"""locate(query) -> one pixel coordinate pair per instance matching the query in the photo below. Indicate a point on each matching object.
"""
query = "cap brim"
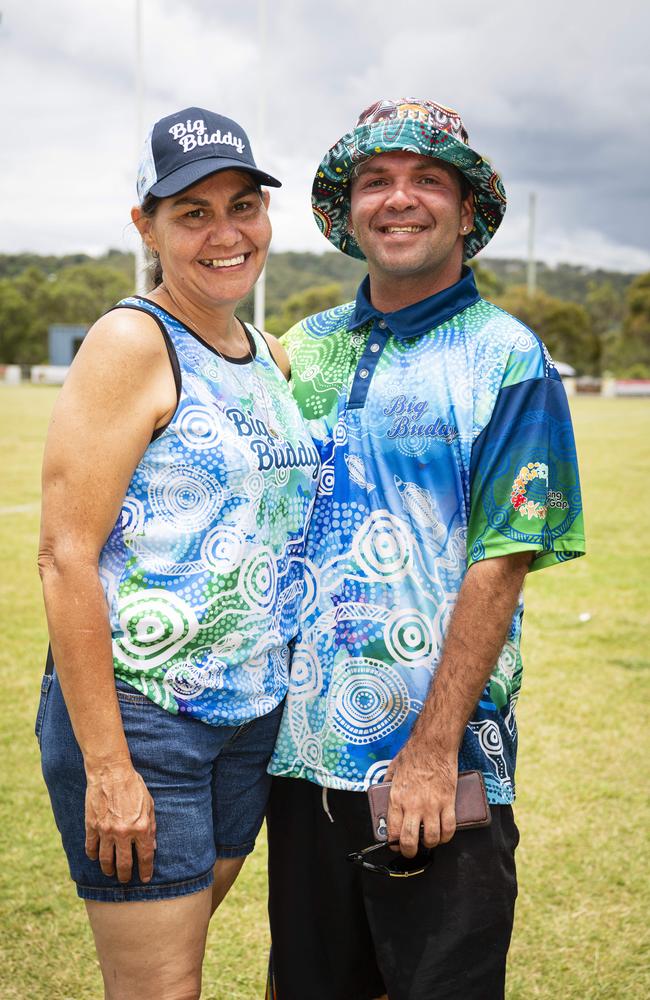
(190, 173)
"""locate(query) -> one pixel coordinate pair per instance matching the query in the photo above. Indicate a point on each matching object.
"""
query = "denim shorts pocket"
(40, 715)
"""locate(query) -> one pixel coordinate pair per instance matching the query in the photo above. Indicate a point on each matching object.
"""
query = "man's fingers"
(447, 824)
(394, 820)
(431, 832)
(409, 837)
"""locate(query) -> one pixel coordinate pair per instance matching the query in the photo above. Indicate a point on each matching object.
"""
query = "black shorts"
(341, 933)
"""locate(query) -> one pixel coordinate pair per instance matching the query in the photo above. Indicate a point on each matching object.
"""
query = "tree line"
(596, 321)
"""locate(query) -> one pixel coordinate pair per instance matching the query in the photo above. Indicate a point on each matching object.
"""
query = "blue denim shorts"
(209, 785)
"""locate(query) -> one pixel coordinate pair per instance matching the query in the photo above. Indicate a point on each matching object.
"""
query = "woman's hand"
(120, 816)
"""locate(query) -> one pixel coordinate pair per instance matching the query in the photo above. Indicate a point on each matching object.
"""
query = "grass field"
(581, 931)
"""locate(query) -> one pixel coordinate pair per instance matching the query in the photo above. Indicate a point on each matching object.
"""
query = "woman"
(178, 481)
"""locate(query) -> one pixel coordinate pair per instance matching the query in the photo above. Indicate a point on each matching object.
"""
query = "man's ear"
(467, 213)
(266, 197)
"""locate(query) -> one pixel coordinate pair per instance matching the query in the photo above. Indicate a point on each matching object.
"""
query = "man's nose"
(401, 196)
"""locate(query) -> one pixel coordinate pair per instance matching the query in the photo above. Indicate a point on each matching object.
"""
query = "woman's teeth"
(229, 262)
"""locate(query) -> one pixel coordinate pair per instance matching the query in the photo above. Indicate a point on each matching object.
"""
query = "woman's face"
(212, 238)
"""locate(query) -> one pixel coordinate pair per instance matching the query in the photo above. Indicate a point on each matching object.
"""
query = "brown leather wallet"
(472, 808)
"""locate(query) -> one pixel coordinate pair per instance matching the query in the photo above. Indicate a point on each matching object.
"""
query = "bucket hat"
(183, 148)
(409, 125)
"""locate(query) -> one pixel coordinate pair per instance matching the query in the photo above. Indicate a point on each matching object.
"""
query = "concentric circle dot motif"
(186, 680)
(311, 751)
(376, 773)
(368, 700)
(258, 579)
(490, 740)
(132, 518)
(186, 495)
(383, 547)
(222, 548)
(306, 675)
(155, 626)
(197, 428)
(409, 637)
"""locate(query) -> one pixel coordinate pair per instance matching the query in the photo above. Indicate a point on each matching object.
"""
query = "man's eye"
(242, 206)
(195, 213)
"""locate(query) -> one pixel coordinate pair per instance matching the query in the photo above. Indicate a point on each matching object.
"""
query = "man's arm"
(424, 773)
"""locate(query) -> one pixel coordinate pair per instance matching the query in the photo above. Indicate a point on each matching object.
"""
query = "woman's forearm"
(81, 644)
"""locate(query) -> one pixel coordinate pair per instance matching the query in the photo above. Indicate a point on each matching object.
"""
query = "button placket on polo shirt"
(368, 363)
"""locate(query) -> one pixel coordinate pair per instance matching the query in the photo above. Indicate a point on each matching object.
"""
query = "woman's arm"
(119, 389)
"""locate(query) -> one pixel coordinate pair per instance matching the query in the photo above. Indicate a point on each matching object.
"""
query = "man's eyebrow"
(192, 199)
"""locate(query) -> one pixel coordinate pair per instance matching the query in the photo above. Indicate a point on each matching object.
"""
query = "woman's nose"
(224, 233)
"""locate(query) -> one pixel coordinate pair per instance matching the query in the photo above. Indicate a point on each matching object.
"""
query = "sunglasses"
(380, 859)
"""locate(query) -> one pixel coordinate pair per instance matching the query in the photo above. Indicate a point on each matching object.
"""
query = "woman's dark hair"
(154, 269)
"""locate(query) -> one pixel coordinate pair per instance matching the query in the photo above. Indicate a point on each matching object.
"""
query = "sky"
(556, 96)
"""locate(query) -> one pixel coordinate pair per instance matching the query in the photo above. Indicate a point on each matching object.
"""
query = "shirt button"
(363, 373)
(381, 324)
(374, 348)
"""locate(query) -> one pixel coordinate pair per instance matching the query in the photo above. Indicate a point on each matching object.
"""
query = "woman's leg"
(152, 950)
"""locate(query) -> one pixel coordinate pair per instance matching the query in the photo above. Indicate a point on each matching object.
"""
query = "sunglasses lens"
(404, 866)
(395, 863)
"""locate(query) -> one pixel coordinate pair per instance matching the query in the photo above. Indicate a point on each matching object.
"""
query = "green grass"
(581, 926)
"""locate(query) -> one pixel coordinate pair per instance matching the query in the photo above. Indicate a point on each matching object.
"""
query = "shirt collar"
(422, 316)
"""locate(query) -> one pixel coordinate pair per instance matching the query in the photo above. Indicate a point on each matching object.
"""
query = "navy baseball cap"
(185, 147)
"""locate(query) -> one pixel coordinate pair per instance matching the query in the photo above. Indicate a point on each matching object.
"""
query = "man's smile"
(401, 229)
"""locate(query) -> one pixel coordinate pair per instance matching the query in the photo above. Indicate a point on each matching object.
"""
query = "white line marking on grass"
(23, 508)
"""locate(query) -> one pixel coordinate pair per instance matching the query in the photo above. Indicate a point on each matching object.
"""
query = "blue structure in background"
(63, 342)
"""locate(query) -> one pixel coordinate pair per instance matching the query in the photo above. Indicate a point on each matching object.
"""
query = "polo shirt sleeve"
(524, 481)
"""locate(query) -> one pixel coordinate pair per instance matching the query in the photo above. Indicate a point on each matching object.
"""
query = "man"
(449, 471)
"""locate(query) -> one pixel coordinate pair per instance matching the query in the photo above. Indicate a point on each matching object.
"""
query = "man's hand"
(422, 802)
(119, 817)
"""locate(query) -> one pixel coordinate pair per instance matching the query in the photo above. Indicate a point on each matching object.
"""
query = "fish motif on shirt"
(419, 503)
(357, 471)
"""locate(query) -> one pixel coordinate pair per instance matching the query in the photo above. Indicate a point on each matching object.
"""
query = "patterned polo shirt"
(445, 438)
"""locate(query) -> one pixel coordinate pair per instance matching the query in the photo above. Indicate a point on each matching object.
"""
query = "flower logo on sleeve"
(534, 475)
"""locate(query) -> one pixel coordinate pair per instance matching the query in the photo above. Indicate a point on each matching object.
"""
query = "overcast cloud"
(558, 98)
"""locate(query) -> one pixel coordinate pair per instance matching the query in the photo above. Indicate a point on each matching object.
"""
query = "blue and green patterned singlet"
(203, 571)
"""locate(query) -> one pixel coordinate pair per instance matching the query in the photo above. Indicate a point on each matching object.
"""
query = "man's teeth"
(230, 262)
(403, 229)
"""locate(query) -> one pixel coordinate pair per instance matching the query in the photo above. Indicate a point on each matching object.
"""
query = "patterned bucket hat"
(414, 126)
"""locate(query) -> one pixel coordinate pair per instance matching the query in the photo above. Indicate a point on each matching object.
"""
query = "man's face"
(407, 216)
